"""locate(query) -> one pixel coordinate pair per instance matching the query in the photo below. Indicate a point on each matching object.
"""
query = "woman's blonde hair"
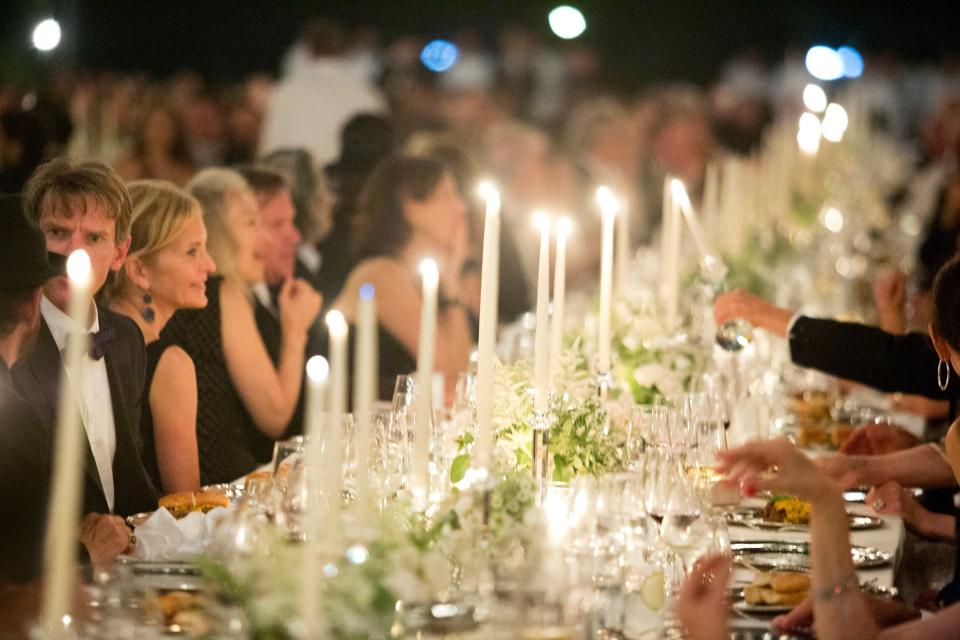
(215, 189)
(160, 213)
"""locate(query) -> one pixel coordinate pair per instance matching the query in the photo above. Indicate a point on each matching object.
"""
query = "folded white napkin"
(163, 538)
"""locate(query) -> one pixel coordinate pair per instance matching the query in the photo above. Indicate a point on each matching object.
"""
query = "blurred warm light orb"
(46, 35)
(567, 22)
(318, 368)
(814, 98)
(833, 219)
(835, 122)
(852, 62)
(808, 134)
(824, 63)
(439, 55)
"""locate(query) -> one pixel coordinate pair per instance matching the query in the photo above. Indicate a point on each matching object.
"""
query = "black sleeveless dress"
(225, 431)
(154, 352)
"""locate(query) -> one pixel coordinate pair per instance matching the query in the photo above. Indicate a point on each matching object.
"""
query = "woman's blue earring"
(147, 312)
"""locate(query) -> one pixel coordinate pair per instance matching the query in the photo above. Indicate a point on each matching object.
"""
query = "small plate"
(752, 517)
(762, 609)
(795, 556)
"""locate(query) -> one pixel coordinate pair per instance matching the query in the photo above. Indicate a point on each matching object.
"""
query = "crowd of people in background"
(228, 216)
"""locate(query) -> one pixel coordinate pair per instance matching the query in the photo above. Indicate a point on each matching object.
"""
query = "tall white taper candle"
(364, 391)
(60, 554)
(562, 229)
(541, 343)
(487, 338)
(318, 370)
(608, 209)
(425, 361)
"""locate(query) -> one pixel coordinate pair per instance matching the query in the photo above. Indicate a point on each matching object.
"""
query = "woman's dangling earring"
(943, 379)
(147, 312)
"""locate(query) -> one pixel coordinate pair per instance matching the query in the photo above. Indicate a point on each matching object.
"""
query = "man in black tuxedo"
(278, 249)
(84, 205)
(24, 444)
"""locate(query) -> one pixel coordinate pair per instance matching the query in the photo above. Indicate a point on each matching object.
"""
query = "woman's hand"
(105, 537)
(884, 612)
(451, 270)
(740, 305)
(890, 294)
(299, 306)
(702, 605)
(778, 466)
(892, 499)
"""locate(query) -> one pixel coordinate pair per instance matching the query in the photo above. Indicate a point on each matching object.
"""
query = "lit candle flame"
(429, 272)
(79, 267)
(608, 202)
(318, 368)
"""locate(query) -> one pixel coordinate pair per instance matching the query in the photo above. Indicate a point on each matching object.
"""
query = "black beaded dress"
(225, 431)
(155, 351)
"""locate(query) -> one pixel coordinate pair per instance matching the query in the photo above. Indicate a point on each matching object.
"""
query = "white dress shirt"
(309, 107)
(93, 390)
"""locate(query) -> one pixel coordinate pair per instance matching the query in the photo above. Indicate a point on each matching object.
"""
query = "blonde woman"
(245, 402)
(166, 269)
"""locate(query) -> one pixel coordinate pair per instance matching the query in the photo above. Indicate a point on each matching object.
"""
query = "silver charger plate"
(795, 556)
(752, 517)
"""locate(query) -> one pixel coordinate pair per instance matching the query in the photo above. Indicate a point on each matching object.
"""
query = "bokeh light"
(567, 22)
(808, 134)
(852, 62)
(46, 35)
(824, 63)
(814, 98)
(439, 55)
(835, 122)
(833, 219)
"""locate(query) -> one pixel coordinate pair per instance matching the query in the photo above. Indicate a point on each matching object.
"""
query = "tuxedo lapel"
(127, 448)
(41, 372)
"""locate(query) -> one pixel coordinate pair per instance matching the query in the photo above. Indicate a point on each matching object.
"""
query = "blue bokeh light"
(367, 291)
(852, 62)
(439, 55)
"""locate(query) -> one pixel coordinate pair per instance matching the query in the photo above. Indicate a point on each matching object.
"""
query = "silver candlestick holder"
(540, 424)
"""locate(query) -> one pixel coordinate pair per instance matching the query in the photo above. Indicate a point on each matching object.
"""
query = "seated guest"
(241, 395)
(312, 202)
(159, 150)
(906, 363)
(25, 445)
(279, 240)
(839, 607)
(166, 269)
(411, 209)
(84, 205)
(365, 140)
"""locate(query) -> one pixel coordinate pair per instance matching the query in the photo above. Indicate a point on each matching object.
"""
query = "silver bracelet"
(852, 583)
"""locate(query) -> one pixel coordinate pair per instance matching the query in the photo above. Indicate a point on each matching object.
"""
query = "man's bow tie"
(99, 341)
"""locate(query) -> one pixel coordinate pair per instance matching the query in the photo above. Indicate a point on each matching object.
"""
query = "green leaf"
(459, 467)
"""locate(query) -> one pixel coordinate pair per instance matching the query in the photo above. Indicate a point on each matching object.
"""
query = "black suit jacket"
(37, 378)
(24, 485)
(906, 363)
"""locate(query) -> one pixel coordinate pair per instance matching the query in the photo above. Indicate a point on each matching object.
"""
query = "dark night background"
(640, 41)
